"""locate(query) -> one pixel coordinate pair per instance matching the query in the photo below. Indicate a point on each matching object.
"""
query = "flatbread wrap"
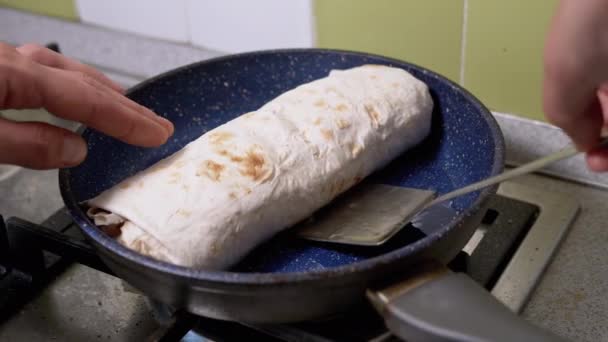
(212, 202)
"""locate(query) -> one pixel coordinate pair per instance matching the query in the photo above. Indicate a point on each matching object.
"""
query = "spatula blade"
(367, 215)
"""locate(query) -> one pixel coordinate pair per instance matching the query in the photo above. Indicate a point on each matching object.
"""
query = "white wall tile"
(164, 19)
(245, 25)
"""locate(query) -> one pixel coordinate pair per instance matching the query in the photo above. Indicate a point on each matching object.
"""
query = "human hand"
(33, 77)
(575, 90)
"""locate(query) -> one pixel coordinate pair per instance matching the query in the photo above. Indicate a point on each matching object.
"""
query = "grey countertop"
(127, 58)
(571, 296)
(570, 299)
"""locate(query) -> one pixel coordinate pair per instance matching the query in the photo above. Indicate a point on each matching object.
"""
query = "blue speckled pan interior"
(464, 145)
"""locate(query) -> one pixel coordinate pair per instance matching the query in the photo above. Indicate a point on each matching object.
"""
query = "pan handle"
(435, 304)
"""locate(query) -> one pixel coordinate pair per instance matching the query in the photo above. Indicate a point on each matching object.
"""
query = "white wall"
(224, 25)
(164, 19)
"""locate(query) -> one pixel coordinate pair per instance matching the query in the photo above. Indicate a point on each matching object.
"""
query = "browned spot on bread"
(113, 230)
(225, 153)
(341, 107)
(356, 149)
(312, 148)
(220, 137)
(247, 191)
(338, 187)
(236, 159)
(175, 177)
(249, 115)
(320, 103)
(232, 195)
(342, 124)
(94, 211)
(373, 77)
(373, 114)
(210, 169)
(357, 179)
(254, 166)
(141, 247)
(327, 134)
(140, 184)
(125, 185)
(395, 85)
(317, 121)
(184, 213)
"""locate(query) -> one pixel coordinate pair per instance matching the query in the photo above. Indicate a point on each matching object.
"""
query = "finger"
(569, 89)
(53, 59)
(136, 107)
(39, 146)
(598, 160)
(574, 109)
(76, 96)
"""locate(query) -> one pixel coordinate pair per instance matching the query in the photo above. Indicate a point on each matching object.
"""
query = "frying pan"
(287, 279)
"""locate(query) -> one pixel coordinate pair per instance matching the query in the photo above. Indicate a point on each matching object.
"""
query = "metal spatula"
(370, 214)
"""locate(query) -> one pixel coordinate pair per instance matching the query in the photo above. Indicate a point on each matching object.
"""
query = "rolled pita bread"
(212, 202)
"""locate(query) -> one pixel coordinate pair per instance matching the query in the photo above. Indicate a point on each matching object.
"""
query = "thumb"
(39, 146)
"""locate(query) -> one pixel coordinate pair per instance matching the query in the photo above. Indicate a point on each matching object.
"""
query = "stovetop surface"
(570, 299)
(120, 312)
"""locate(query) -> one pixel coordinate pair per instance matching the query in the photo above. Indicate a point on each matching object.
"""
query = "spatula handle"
(522, 170)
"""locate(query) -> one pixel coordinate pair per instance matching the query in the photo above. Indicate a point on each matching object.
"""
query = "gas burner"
(507, 255)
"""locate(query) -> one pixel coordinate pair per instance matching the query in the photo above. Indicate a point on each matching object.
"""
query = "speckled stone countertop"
(570, 299)
(527, 140)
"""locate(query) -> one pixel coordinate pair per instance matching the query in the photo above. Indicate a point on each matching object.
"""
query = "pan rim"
(115, 249)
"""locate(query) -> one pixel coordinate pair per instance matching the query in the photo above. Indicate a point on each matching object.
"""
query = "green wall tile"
(427, 33)
(503, 54)
(65, 9)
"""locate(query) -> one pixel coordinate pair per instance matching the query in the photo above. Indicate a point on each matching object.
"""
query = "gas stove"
(507, 255)
(53, 286)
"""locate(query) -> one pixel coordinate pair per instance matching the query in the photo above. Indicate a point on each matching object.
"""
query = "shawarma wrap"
(212, 202)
